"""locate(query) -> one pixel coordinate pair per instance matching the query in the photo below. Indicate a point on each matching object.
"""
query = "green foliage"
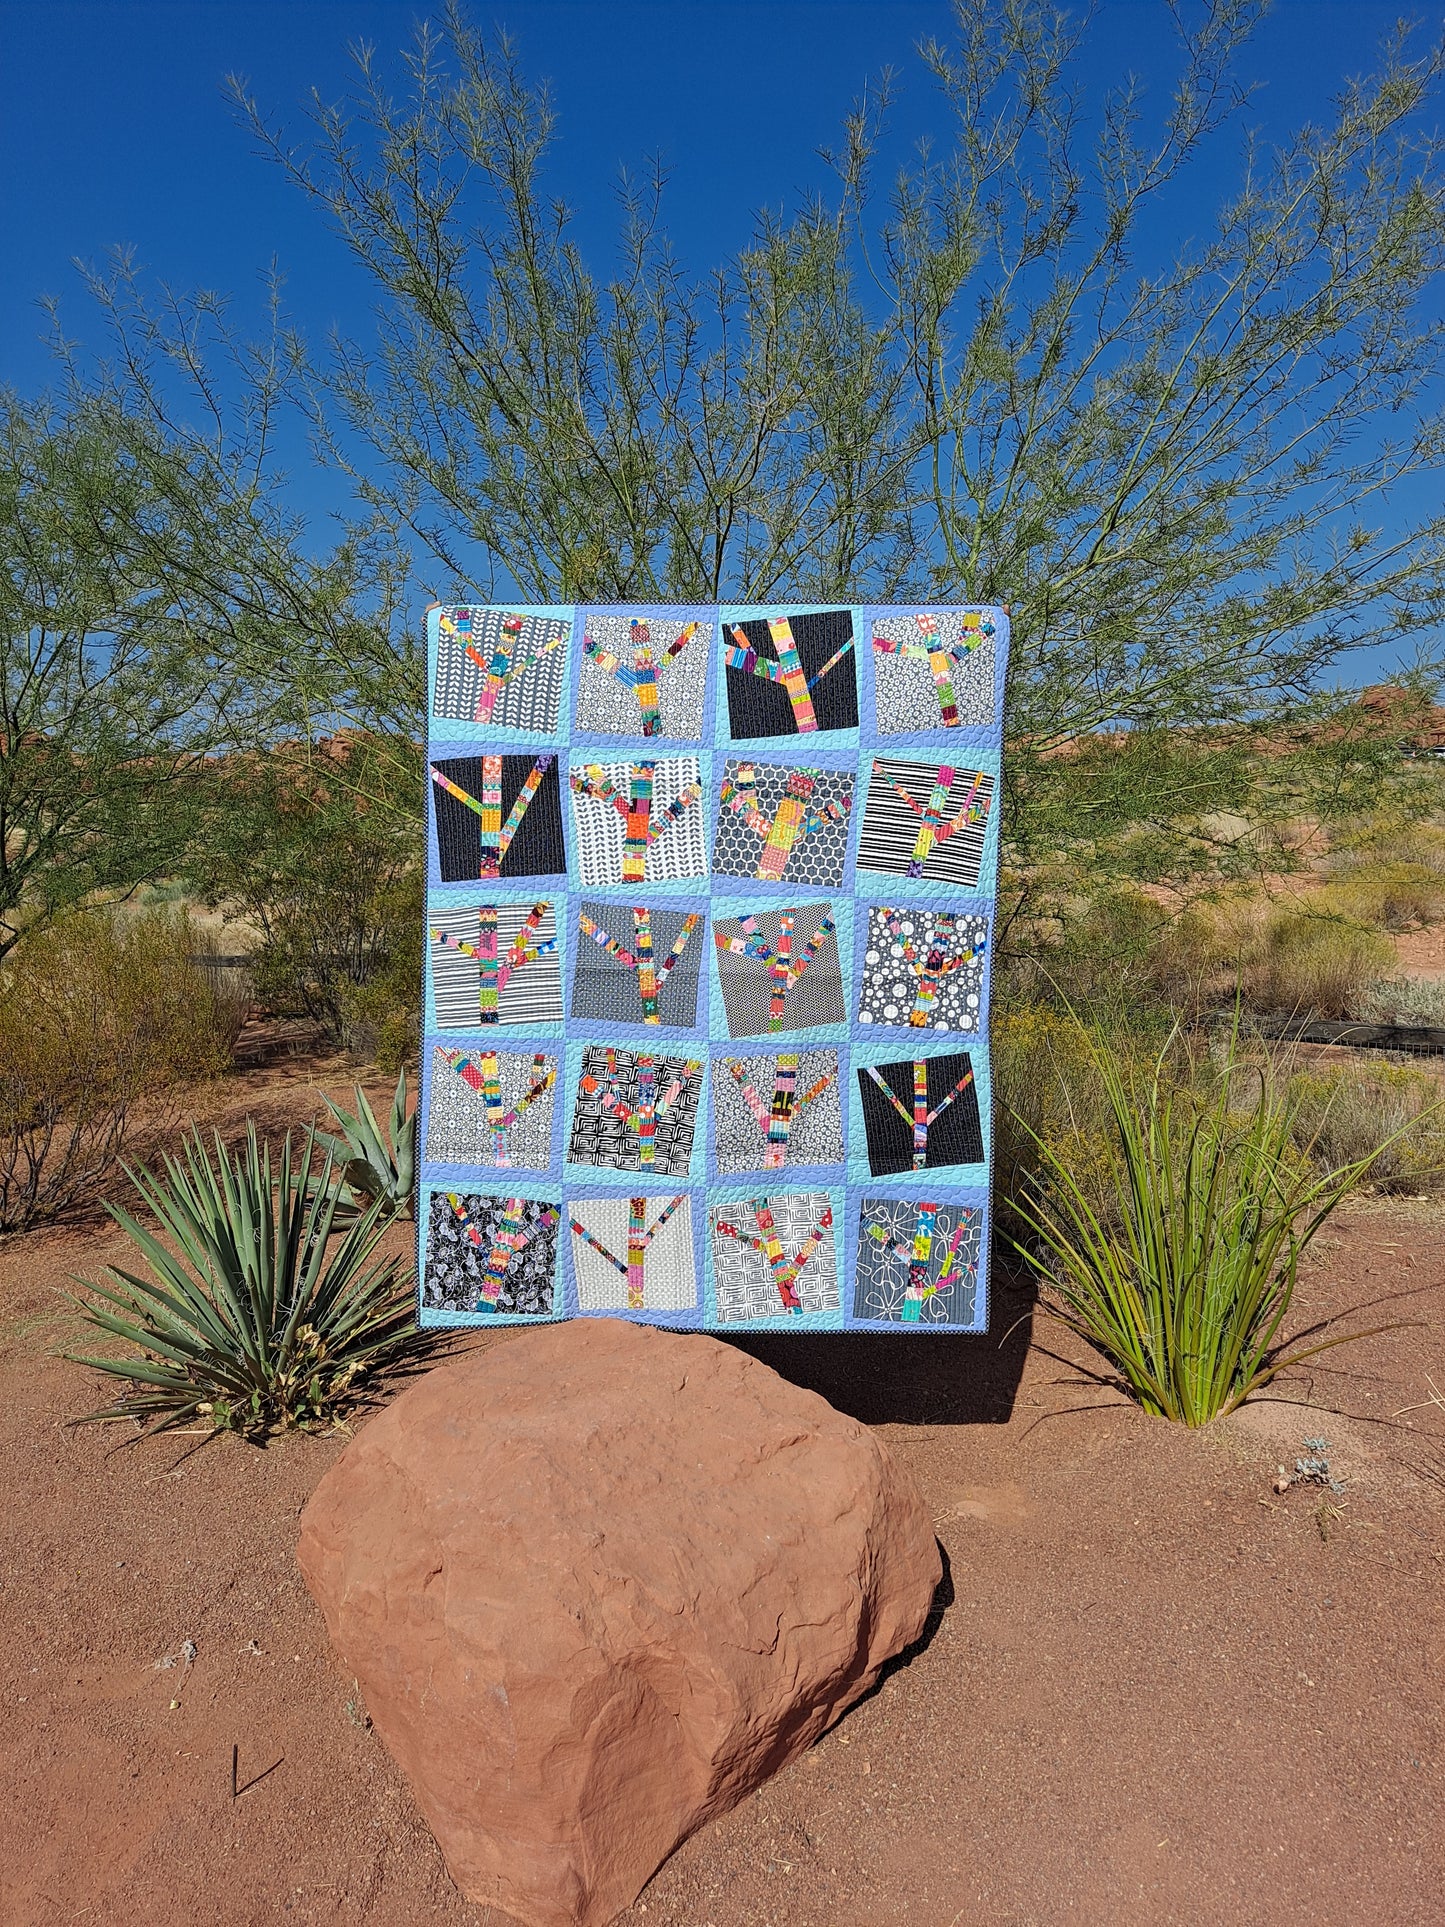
(255, 1316)
(296, 844)
(1387, 1114)
(105, 1021)
(1186, 1283)
(1402, 1000)
(376, 1169)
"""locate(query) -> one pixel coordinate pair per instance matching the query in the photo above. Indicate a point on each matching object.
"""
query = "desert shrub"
(1402, 1000)
(1388, 896)
(256, 1317)
(1184, 1284)
(104, 1020)
(1387, 1112)
(1050, 1099)
(1306, 961)
(328, 875)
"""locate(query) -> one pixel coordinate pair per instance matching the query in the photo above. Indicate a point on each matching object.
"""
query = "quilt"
(709, 927)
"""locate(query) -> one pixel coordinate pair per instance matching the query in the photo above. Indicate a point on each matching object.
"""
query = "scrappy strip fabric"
(917, 1264)
(624, 1263)
(773, 1112)
(639, 821)
(490, 1254)
(793, 823)
(635, 1111)
(923, 969)
(925, 820)
(498, 816)
(490, 1107)
(500, 667)
(934, 670)
(791, 675)
(644, 676)
(773, 1257)
(769, 963)
(918, 1095)
(656, 947)
(495, 963)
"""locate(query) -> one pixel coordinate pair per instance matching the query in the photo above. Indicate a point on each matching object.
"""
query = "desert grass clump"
(257, 1316)
(1402, 1000)
(1386, 1115)
(105, 1021)
(1312, 963)
(1185, 1282)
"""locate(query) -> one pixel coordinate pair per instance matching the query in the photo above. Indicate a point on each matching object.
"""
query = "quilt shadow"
(886, 1378)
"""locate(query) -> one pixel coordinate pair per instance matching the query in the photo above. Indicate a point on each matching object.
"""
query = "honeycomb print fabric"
(710, 898)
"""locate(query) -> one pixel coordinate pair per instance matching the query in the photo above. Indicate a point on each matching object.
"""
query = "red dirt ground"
(1155, 1690)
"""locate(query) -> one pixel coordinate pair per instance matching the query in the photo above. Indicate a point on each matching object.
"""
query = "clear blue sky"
(114, 128)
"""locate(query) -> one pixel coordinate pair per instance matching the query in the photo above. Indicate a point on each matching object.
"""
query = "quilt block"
(709, 926)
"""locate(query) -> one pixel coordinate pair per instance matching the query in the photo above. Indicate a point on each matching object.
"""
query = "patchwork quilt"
(710, 915)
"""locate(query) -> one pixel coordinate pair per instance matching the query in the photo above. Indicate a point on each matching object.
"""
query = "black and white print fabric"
(929, 830)
(748, 1286)
(461, 1121)
(814, 1132)
(906, 694)
(608, 704)
(676, 820)
(923, 969)
(468, 645)
(610, 1122)
(532, 990)
(469, 1269)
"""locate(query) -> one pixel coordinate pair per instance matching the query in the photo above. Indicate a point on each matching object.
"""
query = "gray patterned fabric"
(816, 998)
(816, 1136)
(608, 707)
(679, 851)
(906, 694)
(891, 981)
(745, 1285)
(532, 700)
(457, 1129)
(601, 1137)
(885, 1264)
(606, 989)
(815, 862)
(460, 1239)
(669, 1277)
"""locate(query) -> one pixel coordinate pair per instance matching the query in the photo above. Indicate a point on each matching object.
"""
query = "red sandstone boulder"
(597, 1584)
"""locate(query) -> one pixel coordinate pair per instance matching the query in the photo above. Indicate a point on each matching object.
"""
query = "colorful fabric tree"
(792, 822)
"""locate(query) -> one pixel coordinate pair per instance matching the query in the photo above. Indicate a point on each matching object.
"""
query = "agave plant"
(1184, 1283)
(376, 1169)
(260, 1313)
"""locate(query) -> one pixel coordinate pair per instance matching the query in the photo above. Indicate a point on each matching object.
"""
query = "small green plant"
(377, 1170)
(256, 1317)
(1402, 1000)
(1185, 1283)
(1310, 963)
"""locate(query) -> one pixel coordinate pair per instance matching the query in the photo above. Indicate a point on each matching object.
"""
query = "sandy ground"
(1155, 1690)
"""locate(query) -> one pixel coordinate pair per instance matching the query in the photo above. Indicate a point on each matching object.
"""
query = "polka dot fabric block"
(710, 912)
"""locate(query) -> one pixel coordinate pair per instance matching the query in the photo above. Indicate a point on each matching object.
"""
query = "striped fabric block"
(711, 900)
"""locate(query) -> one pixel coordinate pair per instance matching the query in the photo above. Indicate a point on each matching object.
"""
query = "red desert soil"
(1155, 1690)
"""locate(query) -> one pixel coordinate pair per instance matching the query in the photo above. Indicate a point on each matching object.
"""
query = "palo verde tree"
(1185, 469)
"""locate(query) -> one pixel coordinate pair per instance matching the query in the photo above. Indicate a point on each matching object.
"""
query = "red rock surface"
(600, 1583)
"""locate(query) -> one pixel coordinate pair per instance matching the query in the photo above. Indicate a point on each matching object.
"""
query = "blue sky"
(114, 128)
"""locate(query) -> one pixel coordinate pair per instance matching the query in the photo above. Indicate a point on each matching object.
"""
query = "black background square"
(954, 1138)
(760, 708)
(536, 850)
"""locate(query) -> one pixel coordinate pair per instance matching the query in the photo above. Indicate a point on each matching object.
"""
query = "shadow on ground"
(911, 1378)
